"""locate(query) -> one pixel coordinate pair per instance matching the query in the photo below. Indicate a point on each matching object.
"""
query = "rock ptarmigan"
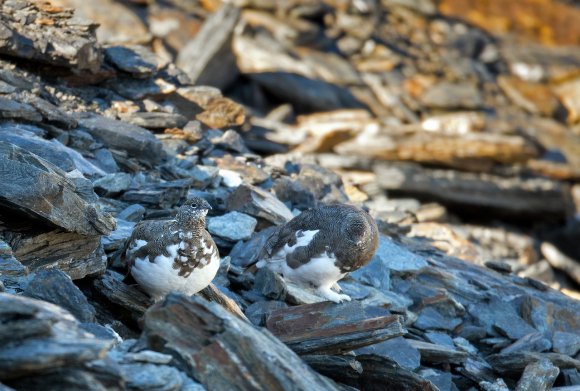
(320, 246)
(174, 255)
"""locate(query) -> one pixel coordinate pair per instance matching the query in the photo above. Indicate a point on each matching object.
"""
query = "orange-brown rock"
(551, 22)
(535, 98)
(475, 151)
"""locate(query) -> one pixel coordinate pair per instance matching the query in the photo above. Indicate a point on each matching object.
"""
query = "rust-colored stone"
(550, 22)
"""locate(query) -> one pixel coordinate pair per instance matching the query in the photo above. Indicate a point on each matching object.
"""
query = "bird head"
(194, 208)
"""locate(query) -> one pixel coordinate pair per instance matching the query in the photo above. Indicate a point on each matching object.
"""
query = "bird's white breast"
(159, 277)
(320, 270)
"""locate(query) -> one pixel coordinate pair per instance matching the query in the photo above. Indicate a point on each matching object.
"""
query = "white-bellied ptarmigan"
(320, 246)
(174, 255)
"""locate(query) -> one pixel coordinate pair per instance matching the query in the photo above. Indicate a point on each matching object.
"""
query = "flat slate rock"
(222, 351)
(500, 315)
(538, 376)
(397, 349)
(56, 287)
(41, 190)
(431, 319)
(135, 59)
(61, 40)
(138, 142)
(327, 328)
(566, 343)
(38, 336)
(208, 58)
(12, 109)
(156, 120)
(232, 226)
(257, 202)
(394, 257)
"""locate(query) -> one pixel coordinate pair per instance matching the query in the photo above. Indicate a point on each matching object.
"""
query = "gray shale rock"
(36, 337)
(232, 226)
(39, 189)
(136, 60)
(224, 352)
(259, 203)
(66, 42)
(56, 287)
(138, 142)
(397, 349)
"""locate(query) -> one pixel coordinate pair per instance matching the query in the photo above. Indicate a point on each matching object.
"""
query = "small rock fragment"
(232, 226)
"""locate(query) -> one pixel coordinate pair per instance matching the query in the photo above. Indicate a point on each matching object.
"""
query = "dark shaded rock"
(246, 253)
(520, 195)
(136, 60)
(477, 370)
(116, 239)
(132, 213)
(295, 193)
(56, 287)
(376, 273)
(398, 350)
(382, 373)
(223, 351)
(442, 380)
(138, 89)
(232, 226)
(38, 337)
(103, 158)
(50, 113)
(500, 315)
(258, 312)
(515, 363)
(73, 42)
(340, 368)
(111, 286)
(163, 194)
(270, 284)
(113, 184)
(538, 376)
(438, 354)
(430, 318)
(258, 203)
(571, 377)
(13, 274)
(39, 189)
(535, 342)
(138, 142)
(11, 109)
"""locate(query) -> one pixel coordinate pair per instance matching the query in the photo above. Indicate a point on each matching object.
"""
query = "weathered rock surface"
(27, 26)
(459, 142)
(214, 333)
(41, 190)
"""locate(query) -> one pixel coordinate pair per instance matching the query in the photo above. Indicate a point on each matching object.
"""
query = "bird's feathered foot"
(329, 294)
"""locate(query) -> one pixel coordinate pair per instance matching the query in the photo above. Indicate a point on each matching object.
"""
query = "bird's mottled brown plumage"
(193, 247)
(346, 231)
